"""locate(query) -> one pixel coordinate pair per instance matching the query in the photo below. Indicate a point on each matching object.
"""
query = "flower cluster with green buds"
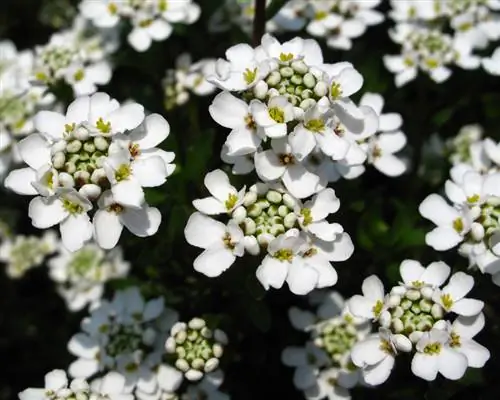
(21, 253)
(196, 348)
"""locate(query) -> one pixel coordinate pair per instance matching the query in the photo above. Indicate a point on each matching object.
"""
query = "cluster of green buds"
(433, 47)
(265, 214)
(195, 349)
(411, 311)
(336, 337)
(294, 79)
(124, 339)
(22, 253)
(52, 61)
(78, 159)
(16, 110)
(458, 149)
(175, 92)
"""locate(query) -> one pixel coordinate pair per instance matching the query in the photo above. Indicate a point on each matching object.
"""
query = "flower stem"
(259, 22)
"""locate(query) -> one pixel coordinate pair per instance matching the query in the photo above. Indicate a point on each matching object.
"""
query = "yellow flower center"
(249, 75)
(433, 349)
(286, 57)
(335, 90)
(104, 127)
(277, 114)
(377, 308)
(458, 225)
(284, 255)
(306, 213)
(123, 172)
(315, 125)
(79, 75)
(231, 201)
(447, 301)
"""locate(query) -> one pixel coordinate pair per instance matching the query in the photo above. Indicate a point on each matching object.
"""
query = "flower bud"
(397, 325)
(290, 220)
(252, 245)
(385, 319)
(74, 146)
(477, 231)
(274, 78)
(321, 89)
(425, 305)
(70, 167)
(406, 304)
(398, 290)
(217, 350)
(277, 229)
(211, 365)
(424, 325)
(254, 210)
(148, 336)
(260, 90)
(206, 333)
(101, 143)
(239, 214)
(412, 294)
(193, 375)
(197, 323)
(272, 93)
(249, 198)
(306, 94)
(178, 327)
(286, 72)
(97, 176)
(397, 312)
(170, 345)
(180, 337)
(181, 352)
(309, 80)
(89, 147)
(402, 343)
(198, 363)
(58, 160)
(66, 180)
(437, 311)
(273, 196)
(272, 211)
(58, 146)
(427, 292)
(415, 336)
(265, 238)
(249, 226)
(90, 191)
(300, 67)
(81, 176)
(289, 201)
(394, 301)
(81, 133)
(296, 80)
(182, 365)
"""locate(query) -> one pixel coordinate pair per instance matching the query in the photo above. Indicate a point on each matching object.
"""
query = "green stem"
(259, 22)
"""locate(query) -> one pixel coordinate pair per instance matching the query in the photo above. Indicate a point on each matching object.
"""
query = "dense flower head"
(77, 56)
(187, 78)
(98, 154)
(59, 387)
(81, 275)
(151, 20)
(324, 364)
(21, 253)
(195, 348)
(436, 35)
(294, 240)
(418, 316)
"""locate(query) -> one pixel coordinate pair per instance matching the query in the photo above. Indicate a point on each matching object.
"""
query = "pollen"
(72, 208)
(286, 159)
(315, 125)
(134, 150)
(116, 208)
(285, 57)
(306, 213)
(79, 75)
(277, 114)
(68, 128)
(377, 308)
(447, 301)
(320, 15)
(228, 241)
(250, 123)
(433, 349)
(123, 172)
(249, 75)
(231, 201)
(284, 255)
(473, 199)
(458, 225)
(104, 127)
(112, 8)
(335, 90)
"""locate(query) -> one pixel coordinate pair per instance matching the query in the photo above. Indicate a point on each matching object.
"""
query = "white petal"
(217, 183)
(79, 110)
(425, 366)
(299, 181)
(294, 356)
(202, 231)
(390, 122)
(228, 111)
(272, 273)
(476, 354)
(302, 142)
(389, 165)
(34, 151)
(127, 117)
(410, 271)
(83, 368)
(139, 39)
(452, 365)
(443, 238)
(45, 213)
(107, 229)
(19, 181)
(467, 307)
(459, 285)
(214, 260)
(268, 166)
(150, 172)
(156, 130)
(75, 231)
(436, 273)
(361, 306)
(50, 123)
(468, 327)
(368, 352)
(141, 222)
(379, 373)
(304, 377)
(209, 206)
(56, 380)
(373, 288)
(169, 378)
(82, 345)
(300, 319)
(301, 279)
(128, 193)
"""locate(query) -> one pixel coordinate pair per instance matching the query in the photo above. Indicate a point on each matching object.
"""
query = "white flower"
(233, 113)
(284, 263)
(452, 296)
(274, 116)
(452, 223)
(146, 29)
(225, 198)
(81, 275)
(414, 275)
(462, 332)
(372, 304)
(376, 355)
(112, 216)
(221, 243)
(103, 13)
(435, 355)
(280, 163)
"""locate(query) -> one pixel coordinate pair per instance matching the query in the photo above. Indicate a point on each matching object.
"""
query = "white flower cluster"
(323, 367)
(472, 221)
(292, 120)
(187, 78)
(19, 101)
(338, 21)
(21, 253)
(98, 153)
(297, 241)
(81, 275)
(77, 56)
(436, 35)
(144, 343)
(58, 387)
(151, 20)
(417, 316)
